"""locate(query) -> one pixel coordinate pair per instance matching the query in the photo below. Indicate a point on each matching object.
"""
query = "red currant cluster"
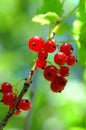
(8, 98)
(37, 44)
(51, 72)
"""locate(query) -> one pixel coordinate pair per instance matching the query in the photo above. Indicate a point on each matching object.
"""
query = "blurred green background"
(50, 111)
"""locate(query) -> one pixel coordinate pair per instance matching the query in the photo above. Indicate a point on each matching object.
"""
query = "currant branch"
(23, 91)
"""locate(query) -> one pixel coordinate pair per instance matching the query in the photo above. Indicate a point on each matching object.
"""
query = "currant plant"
(56, 73)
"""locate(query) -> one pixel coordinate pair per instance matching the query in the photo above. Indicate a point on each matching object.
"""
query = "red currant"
(61, 81)
(67, 48)
(71, 60)
(8, 98)
(42, 54)
(58, 84)
(50, 72)
(64, 71)
(36, 43)
(6, 87)
(60, 58)
(24, 104)
(40, 63)
(50, 46)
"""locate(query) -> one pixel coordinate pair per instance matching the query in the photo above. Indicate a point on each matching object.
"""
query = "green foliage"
(52, 6)
(49, 12)
(82, 36)
(46, 18)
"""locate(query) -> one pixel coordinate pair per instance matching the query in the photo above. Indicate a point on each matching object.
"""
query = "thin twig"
(60, 21)
(54, 31)
(70, 40)
(23, 91)
(65, 18)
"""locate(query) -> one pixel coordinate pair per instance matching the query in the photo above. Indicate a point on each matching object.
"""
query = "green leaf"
(52, 6)
(46, 18)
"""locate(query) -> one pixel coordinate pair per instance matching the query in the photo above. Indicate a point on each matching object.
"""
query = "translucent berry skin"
(8, 99)
(6, 87)
(64, 71)
(50, 46)
(58, 84)
(24, 104)
(40, 63)
(67, 48)
(60, 58)
(36, 43)
(42, 54)
(50, 72)
(14, 96)
(71, 60)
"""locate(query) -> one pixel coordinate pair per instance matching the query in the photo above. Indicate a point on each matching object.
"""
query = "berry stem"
(59, 22)
(16, 85)
(70, 40)
(54, 31)
(66, 17)
(23, 91)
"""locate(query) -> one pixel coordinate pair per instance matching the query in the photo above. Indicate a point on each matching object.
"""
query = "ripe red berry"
(71, 60)
(24, 104)
(58, 84)
(60, 58)
(36, 43)
(42, 54)
(8, 99)
(40, 63)
(6, 87)
(50, 46)
(67, 48)
(50, 72)
(64, 71)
